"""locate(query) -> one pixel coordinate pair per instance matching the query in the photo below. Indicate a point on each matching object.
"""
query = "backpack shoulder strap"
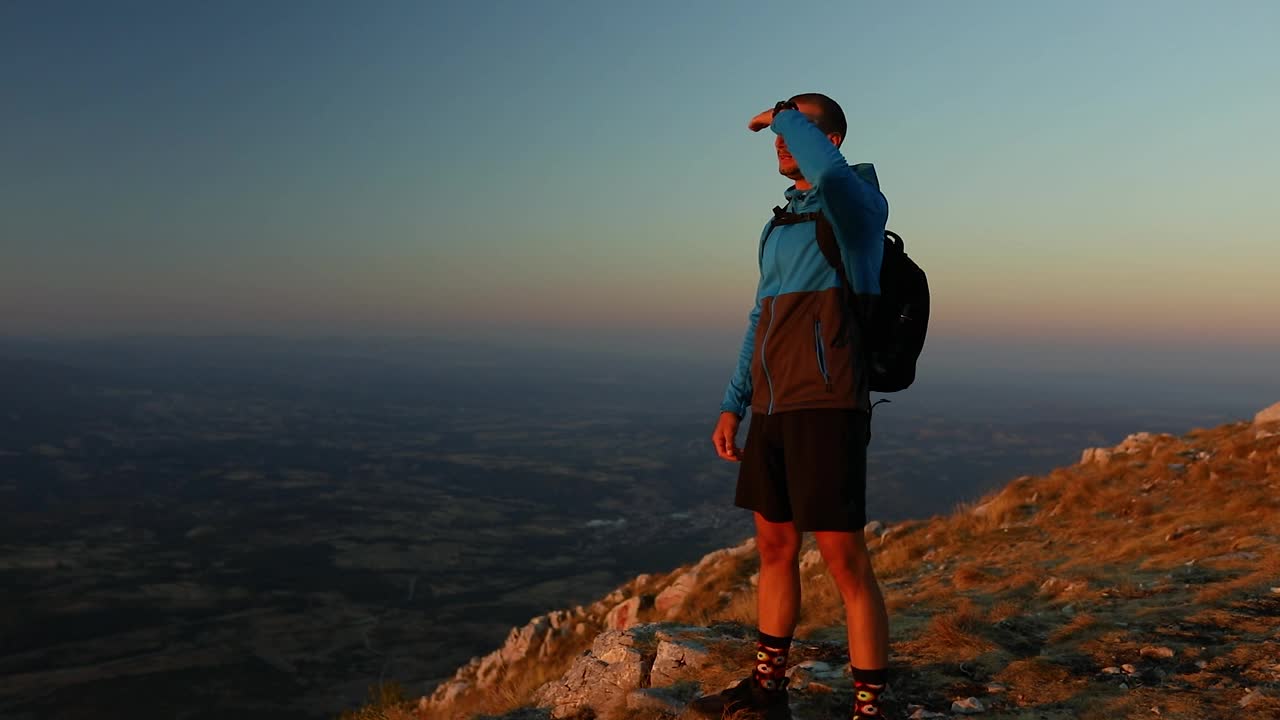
(784, 217)
(831, 252)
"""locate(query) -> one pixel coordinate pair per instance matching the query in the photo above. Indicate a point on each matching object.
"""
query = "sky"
(1082, 176)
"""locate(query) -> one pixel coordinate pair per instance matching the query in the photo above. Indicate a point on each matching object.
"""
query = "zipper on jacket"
(821, 350)
(764, 346)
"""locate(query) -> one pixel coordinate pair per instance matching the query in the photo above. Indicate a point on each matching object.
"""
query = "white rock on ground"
(821, 670)
(623, 615)
(968, 706)
(650, 657)
(1135, 442)
(810, 559)
(1269, 415)
(600, 679)
(1250, 698)
(671, 599)
(520, 642)
(1100, 456)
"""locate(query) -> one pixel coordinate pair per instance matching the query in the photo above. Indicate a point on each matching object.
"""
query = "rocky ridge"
(1143, 581)
(569, 631)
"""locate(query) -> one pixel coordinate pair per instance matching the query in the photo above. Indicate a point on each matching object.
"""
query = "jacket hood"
(866, 171)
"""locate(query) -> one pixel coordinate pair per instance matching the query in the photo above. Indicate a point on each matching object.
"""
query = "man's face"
(786, 164)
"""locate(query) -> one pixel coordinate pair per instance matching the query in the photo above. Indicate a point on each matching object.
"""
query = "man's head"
(823, 112)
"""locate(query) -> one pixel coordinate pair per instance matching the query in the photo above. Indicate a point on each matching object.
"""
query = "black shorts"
(808, 467)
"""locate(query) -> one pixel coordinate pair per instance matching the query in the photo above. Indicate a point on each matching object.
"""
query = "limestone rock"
(520, 643)
(799, 677)
(677, 660)
(623, 615)
(671, 599)
(613, 646)
(714, 558)
(449, 692)
(821, 670)
(1099, 456)
(1135, 442)
(810, 559)
(599, 680)
(552, 640)
(1250, 698)
(1269, 415)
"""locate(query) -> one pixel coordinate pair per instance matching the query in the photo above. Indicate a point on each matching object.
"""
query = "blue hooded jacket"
(789, 360)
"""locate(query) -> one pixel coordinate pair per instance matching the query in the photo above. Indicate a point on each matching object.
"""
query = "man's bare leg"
(778, 608)
(846, 556)
(778, 592)
(867, 621)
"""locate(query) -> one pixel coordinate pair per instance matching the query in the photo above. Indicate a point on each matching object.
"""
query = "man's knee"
(777, 542)
(844, 552)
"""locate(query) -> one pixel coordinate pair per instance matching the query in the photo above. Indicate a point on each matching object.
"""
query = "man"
(804, 462)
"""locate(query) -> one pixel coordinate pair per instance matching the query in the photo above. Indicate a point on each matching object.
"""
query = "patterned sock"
(771, 660)
(867, 686)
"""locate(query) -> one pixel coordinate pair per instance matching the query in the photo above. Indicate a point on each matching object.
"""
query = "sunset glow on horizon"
(1090, 174)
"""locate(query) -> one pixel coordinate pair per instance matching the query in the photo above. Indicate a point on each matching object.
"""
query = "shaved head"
(830, 117)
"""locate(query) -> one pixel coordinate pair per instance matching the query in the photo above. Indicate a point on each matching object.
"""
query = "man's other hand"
(761, 121)
(725, 437)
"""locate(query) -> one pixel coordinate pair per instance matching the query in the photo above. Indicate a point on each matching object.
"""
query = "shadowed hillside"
(1143, 581)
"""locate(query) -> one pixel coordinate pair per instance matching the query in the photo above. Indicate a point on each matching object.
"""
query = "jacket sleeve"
(856, 208)
(737, 396)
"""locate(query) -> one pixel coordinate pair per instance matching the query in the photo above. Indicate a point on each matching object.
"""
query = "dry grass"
(705, 602)
(902, 555)
(386, 702)
(1255, 663)
(821, 603)
(1073, 629)
(968, 577)
(951, 635)
(1139, 702)
(741, 608)
(1256, 576)
(1004, 610)
(1021, 582)
(1038, 682)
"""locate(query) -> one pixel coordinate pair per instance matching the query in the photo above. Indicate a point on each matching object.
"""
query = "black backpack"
(894, 327)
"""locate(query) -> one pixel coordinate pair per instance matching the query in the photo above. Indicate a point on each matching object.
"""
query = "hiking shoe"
(746, 700)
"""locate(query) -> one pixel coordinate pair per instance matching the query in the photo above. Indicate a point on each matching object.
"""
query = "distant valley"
(267, 529)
